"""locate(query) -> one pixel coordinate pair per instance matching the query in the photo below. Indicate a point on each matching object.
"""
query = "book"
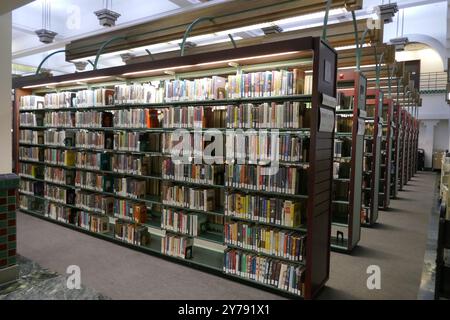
(131, 233)
(263, 209)
(281, 243)
(31, 102)
(289, 277)
(60, 119)
(94, 202)
(268, 115)
(136, 118)
(201, 173)
(138, 93)
(60, 100)
(182, 222)
(282, 179)
(193, 198)
(177, 246)
(99, 224)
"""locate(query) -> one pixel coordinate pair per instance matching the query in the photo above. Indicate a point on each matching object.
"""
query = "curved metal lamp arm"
(232, 40)
(46, 58)
(325, 21)
(189, 29)
(390, 75)
(355, 29)
(378, 68)
(358, 53)
(104, 45)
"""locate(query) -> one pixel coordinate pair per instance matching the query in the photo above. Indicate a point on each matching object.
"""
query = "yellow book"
(69, 158)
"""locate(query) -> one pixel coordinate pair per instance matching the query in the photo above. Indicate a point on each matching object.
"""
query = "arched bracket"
(325, 20)
(355, 29)
(191, 26)
(102, 48)
(38, 71)
(189, 29)
(361, 43)
(390, 75)
(232, 40)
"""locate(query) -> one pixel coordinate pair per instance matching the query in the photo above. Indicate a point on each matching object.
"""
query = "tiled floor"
(426, 291)
(400, 244)
(36, 283)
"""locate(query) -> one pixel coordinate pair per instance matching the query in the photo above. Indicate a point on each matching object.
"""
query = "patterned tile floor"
(426, 290)
(36, 283)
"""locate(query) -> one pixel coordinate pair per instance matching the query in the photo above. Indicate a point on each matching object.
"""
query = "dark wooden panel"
(322, 186)
(323, 165)
(323, 144)
(324, 196)
(322, 207)
(321, 249)
(324, 154)
(322, 176)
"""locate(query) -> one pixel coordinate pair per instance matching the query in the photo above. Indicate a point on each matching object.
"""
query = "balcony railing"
(433, 82)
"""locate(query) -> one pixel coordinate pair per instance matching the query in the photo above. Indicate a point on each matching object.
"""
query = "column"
(9, 182)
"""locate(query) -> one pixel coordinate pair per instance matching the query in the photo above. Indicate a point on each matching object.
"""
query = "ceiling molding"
(226, 15)
(10, 5)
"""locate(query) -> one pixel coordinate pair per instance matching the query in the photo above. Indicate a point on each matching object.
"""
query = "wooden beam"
(228, 15)
(10, 5)
(338, 34)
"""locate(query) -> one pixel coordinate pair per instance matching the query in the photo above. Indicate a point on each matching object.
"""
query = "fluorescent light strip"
(210, 63)
(63, 82)
(40, 85)
(362, 67)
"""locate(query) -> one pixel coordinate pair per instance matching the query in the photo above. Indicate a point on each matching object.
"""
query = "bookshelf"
(105, 165)
(396, 146)
(386, 154)
(348, 160)
(372, 157)
(442, 287)
(402, 149)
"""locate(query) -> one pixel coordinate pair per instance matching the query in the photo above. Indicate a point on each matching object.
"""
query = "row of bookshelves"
(258, 205)
(257, 85)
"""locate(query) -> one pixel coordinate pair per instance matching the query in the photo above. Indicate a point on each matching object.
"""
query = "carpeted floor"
(397, 245)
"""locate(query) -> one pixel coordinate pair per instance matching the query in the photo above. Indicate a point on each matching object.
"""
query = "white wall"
(429, 20)
(441, 136)
(5, 95)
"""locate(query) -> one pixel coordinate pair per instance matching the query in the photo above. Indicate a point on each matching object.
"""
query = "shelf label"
(329, 101)
(361, 127)
(327, 120)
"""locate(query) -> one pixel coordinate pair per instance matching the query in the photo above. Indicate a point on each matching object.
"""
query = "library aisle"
(397, 246)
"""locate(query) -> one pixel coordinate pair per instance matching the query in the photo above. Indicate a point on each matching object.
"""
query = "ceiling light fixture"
(44, 34)
(209, 63)
(106, 16)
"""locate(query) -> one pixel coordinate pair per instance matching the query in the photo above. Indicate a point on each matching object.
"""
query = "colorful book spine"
(279, 274)
(266, 210)
(280, 243)
(177, 246)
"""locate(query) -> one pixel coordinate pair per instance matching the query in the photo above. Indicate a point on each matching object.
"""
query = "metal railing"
(431, 82)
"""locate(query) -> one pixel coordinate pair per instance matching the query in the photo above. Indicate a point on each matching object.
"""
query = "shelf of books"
(225, 166)
(415, 144)
(402, 149)
(408, 140)
(348, 160)
(396, 145)
(386, 154)
(372, 157)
